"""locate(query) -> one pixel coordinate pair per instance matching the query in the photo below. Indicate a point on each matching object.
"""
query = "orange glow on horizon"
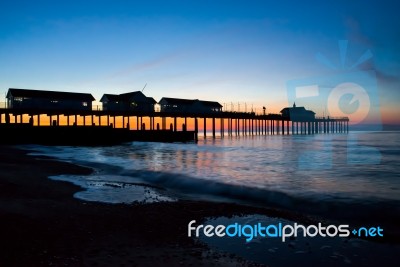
(388, 115)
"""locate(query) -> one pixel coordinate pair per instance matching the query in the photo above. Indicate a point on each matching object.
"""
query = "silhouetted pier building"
(168, 104)
(297, 114)
(134, 101)
(38, 99)
(136, 110)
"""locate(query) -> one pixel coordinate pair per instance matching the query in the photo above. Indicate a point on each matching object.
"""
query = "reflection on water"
(294, 164)
(112, 189)
(348, 166)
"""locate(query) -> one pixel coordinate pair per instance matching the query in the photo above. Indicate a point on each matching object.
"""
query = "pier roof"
(296, 109)
(15, 92)
(109, 97)
(151, 100)
(210, 103)
(127, 97)
(180, 101)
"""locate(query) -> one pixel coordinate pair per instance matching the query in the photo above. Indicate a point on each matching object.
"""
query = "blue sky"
(228, 51)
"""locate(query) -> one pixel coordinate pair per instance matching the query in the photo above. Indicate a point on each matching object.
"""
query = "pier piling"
(235, 123)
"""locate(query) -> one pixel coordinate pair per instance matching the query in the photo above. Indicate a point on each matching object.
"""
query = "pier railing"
(331, 118)
(233, 123)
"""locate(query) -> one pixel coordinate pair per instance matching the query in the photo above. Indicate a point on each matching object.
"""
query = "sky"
(336, 58)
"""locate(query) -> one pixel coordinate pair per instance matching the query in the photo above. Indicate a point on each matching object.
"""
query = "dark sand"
(41, 224)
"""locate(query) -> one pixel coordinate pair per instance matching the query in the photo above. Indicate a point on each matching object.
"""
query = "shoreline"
(375, 212)
(43, 224)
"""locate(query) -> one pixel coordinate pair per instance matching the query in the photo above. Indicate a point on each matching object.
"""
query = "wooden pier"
(227, 123)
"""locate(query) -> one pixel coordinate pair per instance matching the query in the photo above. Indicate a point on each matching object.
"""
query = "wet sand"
(43, 225)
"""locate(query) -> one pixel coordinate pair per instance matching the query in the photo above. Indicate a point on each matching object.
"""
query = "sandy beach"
(43, 225)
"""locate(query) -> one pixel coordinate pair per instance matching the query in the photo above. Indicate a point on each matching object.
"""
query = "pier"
(38, 116)
(151, 123)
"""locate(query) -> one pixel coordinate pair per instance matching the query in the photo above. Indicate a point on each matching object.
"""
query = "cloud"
(142, 66)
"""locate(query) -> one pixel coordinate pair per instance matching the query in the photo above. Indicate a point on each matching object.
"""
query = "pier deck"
(153, 125)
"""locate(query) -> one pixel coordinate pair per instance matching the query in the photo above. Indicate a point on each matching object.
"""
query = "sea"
(324, 173)
(351, 178)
